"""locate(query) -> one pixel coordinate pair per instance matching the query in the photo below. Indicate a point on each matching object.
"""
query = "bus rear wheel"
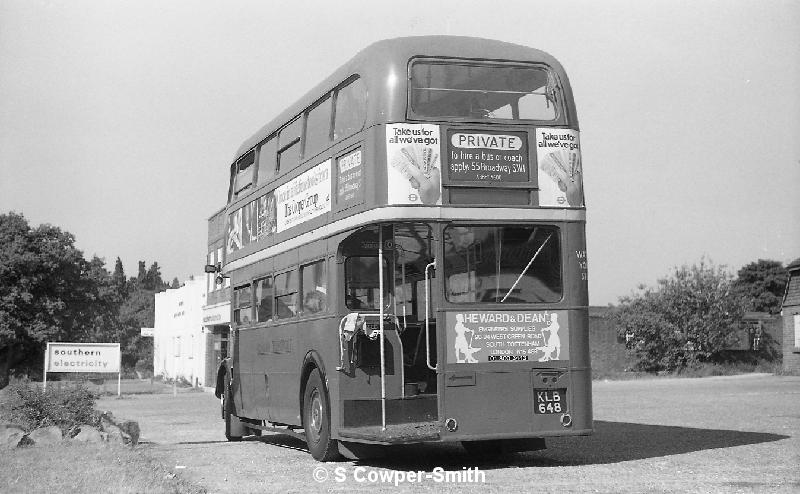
(317, 420)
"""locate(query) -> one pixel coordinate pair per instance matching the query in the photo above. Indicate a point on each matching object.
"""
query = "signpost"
(84, 357)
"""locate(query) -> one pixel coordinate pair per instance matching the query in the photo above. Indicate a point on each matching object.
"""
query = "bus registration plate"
(549, 400)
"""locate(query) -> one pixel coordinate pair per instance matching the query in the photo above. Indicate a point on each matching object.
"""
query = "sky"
(119, 120)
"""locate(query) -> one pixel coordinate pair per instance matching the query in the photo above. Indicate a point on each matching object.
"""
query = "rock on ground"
(10, 435)
(89, 434)
(122, 431)
(46, 435)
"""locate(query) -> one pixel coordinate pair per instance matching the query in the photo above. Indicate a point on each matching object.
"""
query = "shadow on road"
(612, 442)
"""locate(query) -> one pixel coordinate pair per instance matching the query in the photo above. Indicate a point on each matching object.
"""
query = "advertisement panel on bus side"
(503, 336)
(304, 197)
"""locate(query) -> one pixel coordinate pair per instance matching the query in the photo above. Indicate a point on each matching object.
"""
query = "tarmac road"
(719, 434)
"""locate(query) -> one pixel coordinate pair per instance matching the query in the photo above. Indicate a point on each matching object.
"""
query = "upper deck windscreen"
(483, 91)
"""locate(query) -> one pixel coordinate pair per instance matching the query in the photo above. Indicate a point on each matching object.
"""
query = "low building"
(790, 312)
(190, 337)
(179, 337)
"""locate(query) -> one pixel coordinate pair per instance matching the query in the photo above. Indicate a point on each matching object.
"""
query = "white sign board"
(304, 197)
(82, 357)
(220, 314)
(148, 332)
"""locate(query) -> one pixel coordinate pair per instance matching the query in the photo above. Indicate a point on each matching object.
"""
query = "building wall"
(791, 321)
(217, 292)
(606, 350)
(179, 337)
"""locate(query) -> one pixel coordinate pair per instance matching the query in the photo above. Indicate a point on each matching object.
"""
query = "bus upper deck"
(410, 126)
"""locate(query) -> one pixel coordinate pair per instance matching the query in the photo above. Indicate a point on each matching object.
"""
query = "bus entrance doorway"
(387, 372)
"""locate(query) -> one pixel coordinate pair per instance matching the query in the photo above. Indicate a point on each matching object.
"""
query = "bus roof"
(381, 58)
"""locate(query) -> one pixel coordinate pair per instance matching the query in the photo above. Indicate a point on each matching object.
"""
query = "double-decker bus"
(407, 254)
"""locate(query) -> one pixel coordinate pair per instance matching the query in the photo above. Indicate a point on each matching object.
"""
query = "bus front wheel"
(234, 430)
(317, 419)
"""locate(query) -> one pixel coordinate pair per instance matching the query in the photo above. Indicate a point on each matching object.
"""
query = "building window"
(315, 287)
(211, 279)
(797, 330)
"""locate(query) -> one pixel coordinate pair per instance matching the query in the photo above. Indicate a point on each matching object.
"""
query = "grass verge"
(704, 370)
(95, 468)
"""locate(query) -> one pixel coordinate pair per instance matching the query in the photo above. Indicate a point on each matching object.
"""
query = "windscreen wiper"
(526, 268)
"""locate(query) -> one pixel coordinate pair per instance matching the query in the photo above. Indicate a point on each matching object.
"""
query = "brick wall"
(606, 350)
(791, 309)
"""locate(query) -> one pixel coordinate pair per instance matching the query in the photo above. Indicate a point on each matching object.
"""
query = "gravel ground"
(719, 434)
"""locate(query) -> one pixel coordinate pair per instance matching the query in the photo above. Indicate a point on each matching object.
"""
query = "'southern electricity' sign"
(82, 357)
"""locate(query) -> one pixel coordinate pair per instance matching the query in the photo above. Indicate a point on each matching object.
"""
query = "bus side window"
(351, 109)
(318, 128)
(243, 304)
(267, 160)
(315, 287)
(286, 294)
(244, 173)
(264, 297)
(289, 146)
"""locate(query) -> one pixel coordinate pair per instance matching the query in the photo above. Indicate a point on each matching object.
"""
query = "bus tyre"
(317, 420)
(234, 430)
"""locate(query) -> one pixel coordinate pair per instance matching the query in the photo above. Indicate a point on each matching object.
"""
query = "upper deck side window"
(350, 109)
(242, 174)
(267, 159)
(318, 127)
(338, 114)
(289, 146)
(483, 91)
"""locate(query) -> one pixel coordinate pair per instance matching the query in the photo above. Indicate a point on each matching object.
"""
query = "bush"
(144, 368)
(29, 406)
(688, 319)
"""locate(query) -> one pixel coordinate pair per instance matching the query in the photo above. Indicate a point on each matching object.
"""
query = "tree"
(762, 284)
(140, 278)
(48, 291)
(118, 278)
(688, 318)
(137, 311)
(152, 279)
